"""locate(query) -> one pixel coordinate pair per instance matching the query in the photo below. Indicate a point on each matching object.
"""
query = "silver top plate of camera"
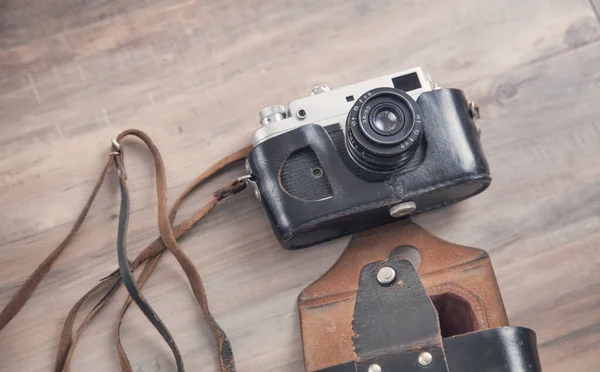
(331, 106)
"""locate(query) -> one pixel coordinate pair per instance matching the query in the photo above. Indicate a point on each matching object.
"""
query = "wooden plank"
(186, 52)
(194, 74)
(24, 22)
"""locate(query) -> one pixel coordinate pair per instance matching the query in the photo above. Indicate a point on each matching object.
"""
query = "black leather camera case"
(312, 194)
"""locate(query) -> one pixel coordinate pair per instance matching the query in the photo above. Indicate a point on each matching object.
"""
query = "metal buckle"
(245, 178)
(120, 169)
(116, 146)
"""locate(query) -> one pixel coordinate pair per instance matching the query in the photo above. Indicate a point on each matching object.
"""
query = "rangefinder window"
(407, 82)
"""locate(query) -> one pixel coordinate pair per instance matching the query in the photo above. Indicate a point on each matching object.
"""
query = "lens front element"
(387, 120)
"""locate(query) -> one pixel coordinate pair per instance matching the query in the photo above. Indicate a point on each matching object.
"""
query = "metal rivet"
(316, 172)
(301, 114)
(425, 358)
(374, 368)
(402, 209)
(386, 275)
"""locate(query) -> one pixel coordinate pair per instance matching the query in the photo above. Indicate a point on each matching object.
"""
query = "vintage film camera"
(343, 160)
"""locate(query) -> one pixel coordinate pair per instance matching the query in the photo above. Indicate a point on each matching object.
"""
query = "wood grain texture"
(194, 74)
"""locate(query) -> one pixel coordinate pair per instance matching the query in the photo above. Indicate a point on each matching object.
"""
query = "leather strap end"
(231, 189)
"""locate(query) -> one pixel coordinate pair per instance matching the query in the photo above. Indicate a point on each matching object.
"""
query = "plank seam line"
(532, 62)
(596, 10)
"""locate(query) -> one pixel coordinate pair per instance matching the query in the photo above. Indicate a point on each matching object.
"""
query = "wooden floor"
(193, 74)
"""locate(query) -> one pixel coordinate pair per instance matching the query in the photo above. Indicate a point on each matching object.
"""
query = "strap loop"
(231, 189)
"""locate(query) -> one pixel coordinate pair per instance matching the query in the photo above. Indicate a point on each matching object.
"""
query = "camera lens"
(387, 120)
(383, 129)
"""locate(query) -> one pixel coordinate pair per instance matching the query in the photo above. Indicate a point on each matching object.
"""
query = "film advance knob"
(272, 114)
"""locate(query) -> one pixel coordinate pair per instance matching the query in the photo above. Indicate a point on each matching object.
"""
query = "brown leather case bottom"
(460, 281)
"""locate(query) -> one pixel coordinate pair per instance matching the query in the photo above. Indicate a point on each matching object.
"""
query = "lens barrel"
(383, 129)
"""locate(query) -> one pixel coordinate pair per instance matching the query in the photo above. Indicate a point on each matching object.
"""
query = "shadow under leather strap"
(168, 237)
(150, 255)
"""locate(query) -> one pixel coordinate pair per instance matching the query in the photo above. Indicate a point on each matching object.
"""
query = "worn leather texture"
(394, 323)
(504, 349)
(453, 168)
(450, 273)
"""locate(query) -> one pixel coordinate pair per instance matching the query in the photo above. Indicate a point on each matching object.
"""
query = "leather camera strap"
(149, 256)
